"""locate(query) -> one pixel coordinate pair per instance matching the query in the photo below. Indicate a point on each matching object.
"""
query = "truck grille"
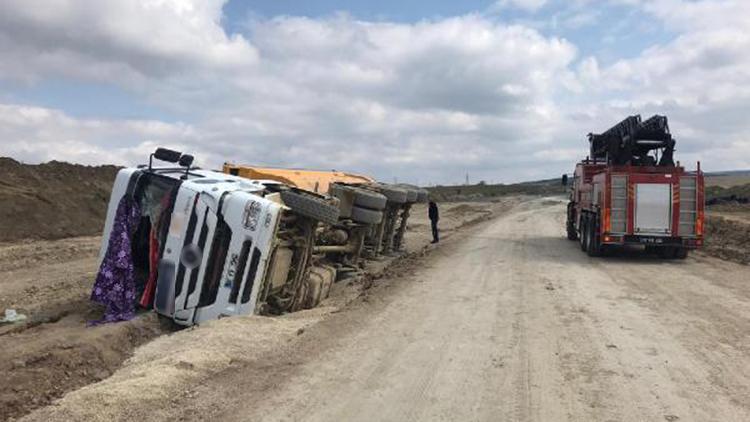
(619, 208)
(688, 203)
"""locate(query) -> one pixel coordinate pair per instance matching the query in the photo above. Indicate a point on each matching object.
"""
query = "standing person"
(434, 217)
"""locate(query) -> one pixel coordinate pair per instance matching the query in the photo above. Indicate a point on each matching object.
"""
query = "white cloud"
(700, 79)
(429, 100)
(115, 41)
(527, 5)
(42, 134)
(425, 101)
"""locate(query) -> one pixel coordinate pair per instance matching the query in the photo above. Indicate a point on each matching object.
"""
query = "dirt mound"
(728, 239)
(44, 362)
(52, 200)
(53, 351)
(461, 209)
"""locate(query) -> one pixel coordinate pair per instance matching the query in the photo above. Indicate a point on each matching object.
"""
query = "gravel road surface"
(505, 321)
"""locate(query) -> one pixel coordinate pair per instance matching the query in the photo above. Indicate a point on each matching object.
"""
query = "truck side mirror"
(164, 154)
(168, 155)
(186, 160)
(565, 180)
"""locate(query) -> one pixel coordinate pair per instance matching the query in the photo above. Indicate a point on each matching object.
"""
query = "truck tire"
(681, 253)
(412, 192)
(569, 223)
(311, 205)
(667, 252)
(394, 193)
(366, 216)
(422, 194)
(583, 235)
(593, 247)
(367, 199)
(572, 234)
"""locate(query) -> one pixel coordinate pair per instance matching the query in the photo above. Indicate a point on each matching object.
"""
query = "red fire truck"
(629, 191)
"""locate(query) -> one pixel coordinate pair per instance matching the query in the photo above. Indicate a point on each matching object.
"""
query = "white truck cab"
(216, 233)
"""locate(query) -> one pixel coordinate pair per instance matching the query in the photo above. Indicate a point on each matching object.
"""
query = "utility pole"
(467, 178)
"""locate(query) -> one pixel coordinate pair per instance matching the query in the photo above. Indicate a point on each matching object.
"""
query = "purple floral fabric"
(115, 282)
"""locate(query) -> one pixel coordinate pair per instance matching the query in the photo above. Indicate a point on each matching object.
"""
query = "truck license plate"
(651, 240)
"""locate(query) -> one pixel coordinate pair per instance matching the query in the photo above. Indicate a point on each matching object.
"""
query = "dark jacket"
(433, 212)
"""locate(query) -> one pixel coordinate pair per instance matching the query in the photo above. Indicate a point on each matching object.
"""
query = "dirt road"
(515, 323)
(508, 321)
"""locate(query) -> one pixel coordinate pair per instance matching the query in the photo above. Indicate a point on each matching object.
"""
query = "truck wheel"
(415, 193)
(584, 235)
(411, 193)
(571, 232)
(593, 247)
(681, 253)
(394, 193)
(366, 216)
(362, 197)
(667, 252)
(569, 225)
(311, 205)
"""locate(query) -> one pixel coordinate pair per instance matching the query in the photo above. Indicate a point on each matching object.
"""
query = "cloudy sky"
(423, 91)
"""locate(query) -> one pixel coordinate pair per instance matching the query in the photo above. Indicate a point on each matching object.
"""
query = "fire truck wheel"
(569, 226)
(366, 216)
(572, 234)
(681, 253)
(311, 205)
(667, 252)
(583, 235)
(593, 246)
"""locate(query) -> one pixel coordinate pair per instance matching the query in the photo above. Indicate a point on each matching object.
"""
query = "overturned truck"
(196, 245)
(204, 244)
(629, 191)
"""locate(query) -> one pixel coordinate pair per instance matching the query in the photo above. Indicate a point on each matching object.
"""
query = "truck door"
(653, 208)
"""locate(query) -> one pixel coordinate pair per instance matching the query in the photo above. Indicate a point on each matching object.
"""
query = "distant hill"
(482, 191)
(728, 179)
(718, 184)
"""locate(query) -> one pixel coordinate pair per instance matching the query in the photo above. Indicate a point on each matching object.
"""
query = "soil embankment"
(728, 233)
(52, 200)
